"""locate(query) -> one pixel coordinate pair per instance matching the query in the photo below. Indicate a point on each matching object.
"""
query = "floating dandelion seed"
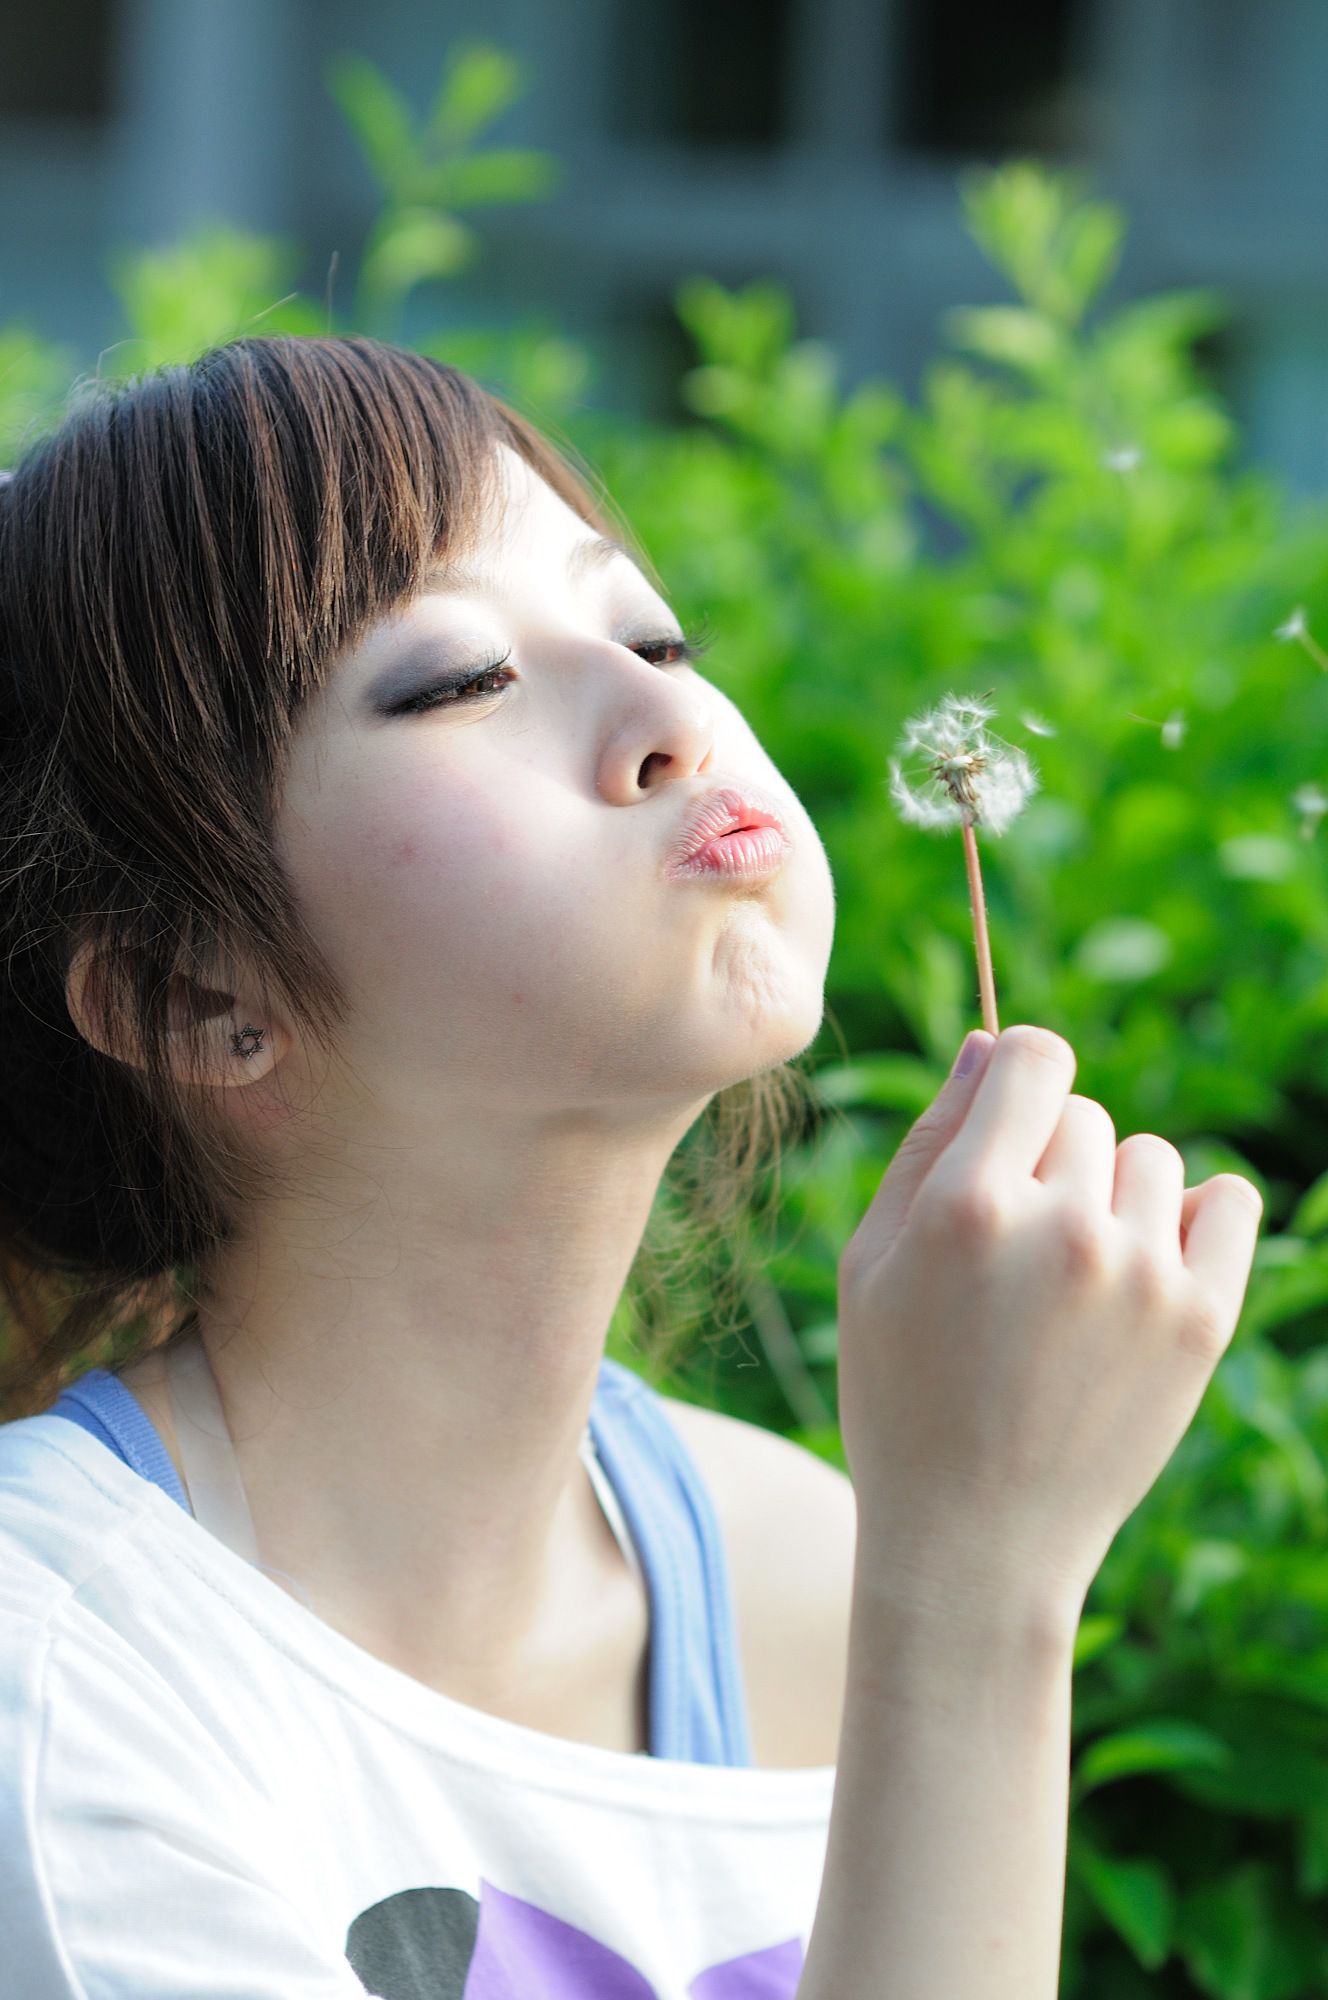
(1311, 802)
(979, 785)
(1173, 729)
(1123, 458)
(1297, 627)
(1038, 726)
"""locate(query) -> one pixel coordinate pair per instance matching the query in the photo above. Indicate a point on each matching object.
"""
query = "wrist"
(968, 1606)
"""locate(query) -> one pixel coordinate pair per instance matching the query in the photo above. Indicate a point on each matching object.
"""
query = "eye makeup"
(416, 682)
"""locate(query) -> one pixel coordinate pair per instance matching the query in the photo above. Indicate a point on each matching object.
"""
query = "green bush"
(1060, 519)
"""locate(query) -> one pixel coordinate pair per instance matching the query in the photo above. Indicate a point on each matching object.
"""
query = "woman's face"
(486, 875)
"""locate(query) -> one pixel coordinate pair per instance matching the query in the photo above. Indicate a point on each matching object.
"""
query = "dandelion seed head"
(1173, 731)
(972, 779)
(934, 814)
(1295, 626)
(946, 730)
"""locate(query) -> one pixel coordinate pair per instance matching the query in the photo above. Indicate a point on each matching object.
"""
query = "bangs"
(213, 535)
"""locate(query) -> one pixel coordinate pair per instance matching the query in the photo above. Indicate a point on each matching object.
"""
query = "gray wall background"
(815, 141)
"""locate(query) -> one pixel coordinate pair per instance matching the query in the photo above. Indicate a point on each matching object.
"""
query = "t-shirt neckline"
(437, 1721)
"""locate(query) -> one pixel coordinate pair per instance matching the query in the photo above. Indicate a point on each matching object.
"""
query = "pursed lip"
(722, 810)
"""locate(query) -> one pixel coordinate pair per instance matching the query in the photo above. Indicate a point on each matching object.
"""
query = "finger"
(1221, 1221)
(1150, 1186)
(922, 1145)
(1017, 1106)
(1082, 1153)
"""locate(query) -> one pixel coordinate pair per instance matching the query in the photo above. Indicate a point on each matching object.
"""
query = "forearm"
(945, 1863)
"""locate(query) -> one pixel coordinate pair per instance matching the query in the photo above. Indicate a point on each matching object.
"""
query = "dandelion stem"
(1314, 649)
(986, 982)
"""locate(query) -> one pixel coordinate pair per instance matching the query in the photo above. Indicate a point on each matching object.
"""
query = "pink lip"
(722, 835)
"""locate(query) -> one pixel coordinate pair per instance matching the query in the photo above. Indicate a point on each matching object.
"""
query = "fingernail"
(970, 1054)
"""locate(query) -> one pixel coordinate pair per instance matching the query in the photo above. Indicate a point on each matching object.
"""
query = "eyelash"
(442, 694)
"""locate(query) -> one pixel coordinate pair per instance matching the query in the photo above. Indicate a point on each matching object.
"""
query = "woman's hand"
(1029, 1315)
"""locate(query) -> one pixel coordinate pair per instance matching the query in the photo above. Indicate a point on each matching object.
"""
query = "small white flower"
(1038, 726)
(1123, 458)
(1173, 729)
(1295, 626)
(974, 783)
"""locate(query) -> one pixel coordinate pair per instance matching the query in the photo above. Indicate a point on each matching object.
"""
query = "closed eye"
(471, 685)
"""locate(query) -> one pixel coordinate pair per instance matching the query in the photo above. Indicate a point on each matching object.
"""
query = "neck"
(424, 1486)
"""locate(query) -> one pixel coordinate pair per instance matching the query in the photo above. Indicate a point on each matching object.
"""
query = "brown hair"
(180, 561)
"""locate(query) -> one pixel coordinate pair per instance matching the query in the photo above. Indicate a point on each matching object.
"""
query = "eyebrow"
(590, 553)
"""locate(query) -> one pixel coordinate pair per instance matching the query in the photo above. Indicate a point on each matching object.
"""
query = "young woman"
(377, 922)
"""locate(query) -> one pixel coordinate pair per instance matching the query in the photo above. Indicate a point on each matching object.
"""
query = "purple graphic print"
(439, 1944)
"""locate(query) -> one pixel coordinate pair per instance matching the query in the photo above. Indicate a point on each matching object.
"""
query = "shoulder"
(789, 1522)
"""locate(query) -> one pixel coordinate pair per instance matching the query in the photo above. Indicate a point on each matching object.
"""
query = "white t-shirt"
(207, 1793)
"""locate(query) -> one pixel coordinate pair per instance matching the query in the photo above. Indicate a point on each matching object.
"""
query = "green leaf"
(480, 82)
(1012, 214)
(218, 283)
(1096, 1632)
(801, 406)
(717, 392)
(1310, 1215)
(378, 115)
(1164, 1743)
(1169, 323)
(1136, 1897)
(1025, 340)
(748, 330)
(1283, 1293)
(1207, 1564)
(1190, 433)
(873, 414)
(549, 373)
(1242, 1937)
(538, 370)
(476, 179)
(1034, 224)
(1264, 1777)
(1312, 1850)
(412, 244)
(1305, 1684)
(1090, 249)
(895, 1083)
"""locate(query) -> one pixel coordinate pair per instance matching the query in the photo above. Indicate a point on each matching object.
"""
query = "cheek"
(402, 872)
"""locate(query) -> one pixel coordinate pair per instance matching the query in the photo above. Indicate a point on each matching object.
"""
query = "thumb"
(921, 1146)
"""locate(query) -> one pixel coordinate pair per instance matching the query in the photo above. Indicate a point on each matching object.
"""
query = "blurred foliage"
(1059, 518)
(424, 176)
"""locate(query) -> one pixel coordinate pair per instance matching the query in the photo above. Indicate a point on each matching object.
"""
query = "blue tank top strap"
(696, 1704)
(99, 1402)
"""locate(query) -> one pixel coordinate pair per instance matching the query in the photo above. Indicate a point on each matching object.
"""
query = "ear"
(223, 1038)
